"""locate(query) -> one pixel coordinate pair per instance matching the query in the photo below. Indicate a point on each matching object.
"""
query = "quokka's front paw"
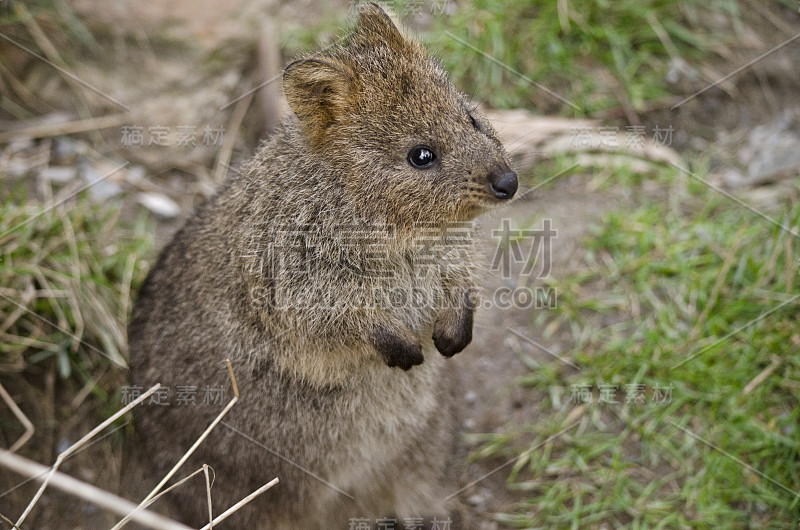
(451, 339)
(396, 349)
(452, 331)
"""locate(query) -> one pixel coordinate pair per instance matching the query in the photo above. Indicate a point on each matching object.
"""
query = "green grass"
(66, 276)
(601, 56)
(666, 282)
(598, 55)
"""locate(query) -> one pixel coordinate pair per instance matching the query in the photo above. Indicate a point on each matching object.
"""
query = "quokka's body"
(336, 272)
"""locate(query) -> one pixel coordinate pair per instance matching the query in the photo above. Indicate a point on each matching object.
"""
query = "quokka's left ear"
(318, 91)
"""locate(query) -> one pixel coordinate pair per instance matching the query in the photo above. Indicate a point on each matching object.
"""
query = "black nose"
(504, 186)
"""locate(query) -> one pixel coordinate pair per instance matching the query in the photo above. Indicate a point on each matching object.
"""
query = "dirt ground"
(171, 89)
(492, 364)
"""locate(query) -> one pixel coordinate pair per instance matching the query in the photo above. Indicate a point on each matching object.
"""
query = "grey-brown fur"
(337, 373)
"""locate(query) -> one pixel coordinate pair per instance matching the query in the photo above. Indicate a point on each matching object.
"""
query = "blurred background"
(652, 380)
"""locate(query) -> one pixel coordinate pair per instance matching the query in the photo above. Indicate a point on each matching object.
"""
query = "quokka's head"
(407, 144)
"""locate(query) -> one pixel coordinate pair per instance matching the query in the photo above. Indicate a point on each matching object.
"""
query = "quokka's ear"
(317, 91)
(375, 23)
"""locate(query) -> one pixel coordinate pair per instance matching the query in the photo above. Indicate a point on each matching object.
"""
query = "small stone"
(136, 174)
(59, 174)
(65, 151)
(17, 167)
(159, 204)
(511, 343)
(733, 178)
(101, 186)
(475, 499)
(20, 144)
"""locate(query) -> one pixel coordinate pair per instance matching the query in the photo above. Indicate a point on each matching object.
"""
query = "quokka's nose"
(503, 185)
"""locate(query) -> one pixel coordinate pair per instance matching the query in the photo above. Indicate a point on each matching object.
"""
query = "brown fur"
(337, 375)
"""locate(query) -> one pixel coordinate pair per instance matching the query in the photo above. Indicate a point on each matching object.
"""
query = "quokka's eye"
(421, 157)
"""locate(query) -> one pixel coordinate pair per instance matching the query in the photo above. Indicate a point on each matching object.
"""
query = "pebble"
(159, 204)
(136, 174)
(59, 174)
(476, 499)
(65, 151)
(101, 186)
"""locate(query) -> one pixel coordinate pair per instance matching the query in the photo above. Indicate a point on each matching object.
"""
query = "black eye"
(421, 157)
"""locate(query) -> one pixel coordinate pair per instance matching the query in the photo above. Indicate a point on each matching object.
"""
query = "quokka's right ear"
(318, 91)
(374, 21)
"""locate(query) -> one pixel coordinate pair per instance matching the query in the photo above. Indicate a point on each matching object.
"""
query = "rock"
(476, 499)
(65, 151)
(733, 178)
(16, 167)
(480, 499)
(58, 174)
(679, 69)
(159, 204)
(773, 150)
(101, 187)
(512, 343)
(136, 174)
(20, 144)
